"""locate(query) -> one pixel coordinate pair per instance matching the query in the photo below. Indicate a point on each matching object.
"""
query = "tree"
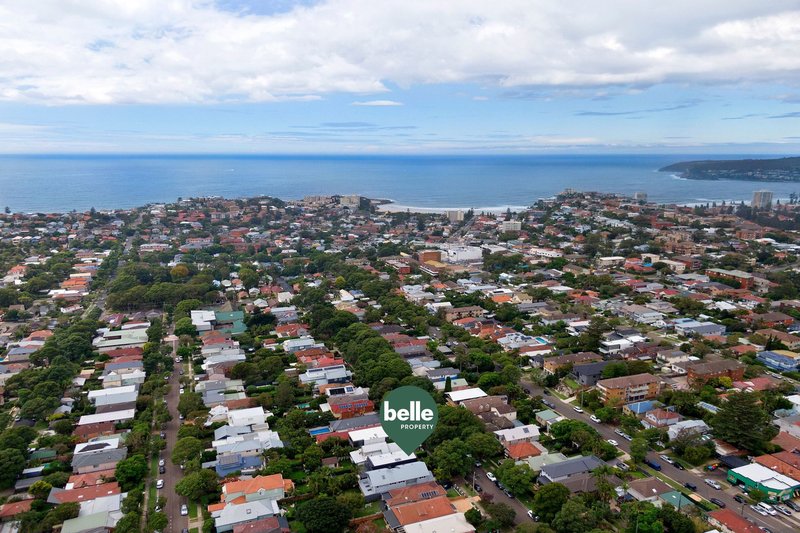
(40, 489)
(483, 445)
(502, 513)
(312, 458)
(549, 500)
(157, 521)
(185, 449)
(197, 485)
(638, 449)
(323, 515)
(517, 478)
(184, 326)
(574, 517)
(190, 402)
(474, 516)
(12, 462)
(131, 471)
(284, 395)
(743, 422)
(451, 458)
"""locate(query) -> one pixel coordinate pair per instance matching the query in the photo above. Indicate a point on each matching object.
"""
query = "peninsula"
(783, 169)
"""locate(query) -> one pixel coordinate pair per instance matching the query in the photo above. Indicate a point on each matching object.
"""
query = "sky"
(399, 76)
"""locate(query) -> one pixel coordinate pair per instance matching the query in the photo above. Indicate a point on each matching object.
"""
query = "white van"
(768, 508)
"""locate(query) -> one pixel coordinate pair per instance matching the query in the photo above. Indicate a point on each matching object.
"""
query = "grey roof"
(372, 419)
(97, 458)
(570, 467)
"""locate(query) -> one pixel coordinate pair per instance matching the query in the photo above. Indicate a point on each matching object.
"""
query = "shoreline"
(392, 207)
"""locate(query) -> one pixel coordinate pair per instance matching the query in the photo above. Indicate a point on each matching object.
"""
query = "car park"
(716, 501)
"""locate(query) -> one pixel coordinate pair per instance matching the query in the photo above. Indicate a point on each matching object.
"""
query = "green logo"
(408, 416)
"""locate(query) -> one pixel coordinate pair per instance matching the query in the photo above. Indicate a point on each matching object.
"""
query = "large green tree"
(549, 500)
(743, 422)
(451, 458)
(198, 484)
(131, 471)
(517, 478)
(12, 462)
(185, 449)
(323, 515)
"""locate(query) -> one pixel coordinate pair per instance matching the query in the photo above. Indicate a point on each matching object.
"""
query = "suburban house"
(249, 500)
(375, 482)
(559, 472)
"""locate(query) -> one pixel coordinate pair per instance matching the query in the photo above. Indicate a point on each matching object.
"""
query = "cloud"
(745, 116)
(378, 103)
(200, 51)
(793, 114)
(676, 107)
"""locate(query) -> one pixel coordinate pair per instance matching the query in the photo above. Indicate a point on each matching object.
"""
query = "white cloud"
(378, 103)
(189, 51)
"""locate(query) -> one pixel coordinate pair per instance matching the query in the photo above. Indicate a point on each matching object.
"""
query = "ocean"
(58, 183)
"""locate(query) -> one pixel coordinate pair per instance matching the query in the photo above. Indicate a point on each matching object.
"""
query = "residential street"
(498, 496)
(774, 523)
(173, 472)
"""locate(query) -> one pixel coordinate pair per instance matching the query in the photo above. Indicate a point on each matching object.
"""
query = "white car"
(577, 409)
(180, 391)
(161, 462)
(612, 442)
(712, 483)
(184, 510)
(491, 477)
(160, 484)
(594, 419)
(667, 459)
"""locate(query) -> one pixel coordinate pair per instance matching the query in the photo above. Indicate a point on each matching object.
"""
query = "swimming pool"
(319, 431)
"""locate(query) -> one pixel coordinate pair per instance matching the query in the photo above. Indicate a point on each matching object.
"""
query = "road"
(498, 496)
(779, 523)
(173, 473)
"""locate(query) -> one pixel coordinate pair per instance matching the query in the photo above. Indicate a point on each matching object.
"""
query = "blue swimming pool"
(319, 431)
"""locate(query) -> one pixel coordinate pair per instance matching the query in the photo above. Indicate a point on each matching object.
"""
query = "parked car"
(612, 442)
(767, 508)
(478, 488)
(184, 510)
(577, 409)
(491, 477)
(626, 436)
(652, 464)
(713, 483)
(759, 510)
(161, 462)
(791, 505)
(160, 484)
(678, 466)
(690, 486)
(784, 510)
(667, 459)
(618, 432)
(508, 493)
(623, 466)
(162, 470)
(739, 499)
(716, 501)
(594, 419)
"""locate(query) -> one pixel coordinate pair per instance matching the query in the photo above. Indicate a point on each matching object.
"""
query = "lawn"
(193, 510)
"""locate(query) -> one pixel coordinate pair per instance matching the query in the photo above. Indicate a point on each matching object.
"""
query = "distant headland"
(783, 169)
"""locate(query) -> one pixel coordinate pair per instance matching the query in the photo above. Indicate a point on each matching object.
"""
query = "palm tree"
(604, 488)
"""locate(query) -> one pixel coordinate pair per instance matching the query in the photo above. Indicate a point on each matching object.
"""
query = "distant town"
(600, 363)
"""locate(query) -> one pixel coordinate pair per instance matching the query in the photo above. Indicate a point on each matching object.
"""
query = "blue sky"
(355, 76)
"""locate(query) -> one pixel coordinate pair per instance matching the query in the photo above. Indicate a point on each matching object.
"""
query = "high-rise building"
(640, 196)
(455, 216)
(761, 200)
